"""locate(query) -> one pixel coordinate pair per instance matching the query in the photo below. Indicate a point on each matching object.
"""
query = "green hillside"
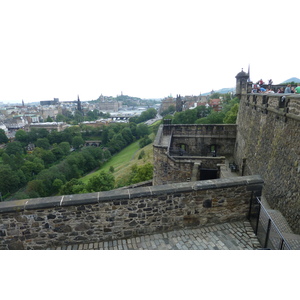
(123, 161)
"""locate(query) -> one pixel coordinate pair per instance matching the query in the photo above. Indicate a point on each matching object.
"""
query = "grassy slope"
(123, 161)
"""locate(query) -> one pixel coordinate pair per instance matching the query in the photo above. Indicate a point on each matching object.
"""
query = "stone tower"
(241, 83)
(179, 103)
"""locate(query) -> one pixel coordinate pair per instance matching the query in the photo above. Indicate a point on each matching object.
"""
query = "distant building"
(55, 101)
(216, 104)
(58, 126)
(113, 106)
(166, 103)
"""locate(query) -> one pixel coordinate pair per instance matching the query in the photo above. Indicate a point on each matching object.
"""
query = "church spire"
(78, 103)
(249, 72)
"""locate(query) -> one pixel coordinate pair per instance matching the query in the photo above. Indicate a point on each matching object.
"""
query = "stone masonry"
(268, 144)
(181, 151)
(91, 218)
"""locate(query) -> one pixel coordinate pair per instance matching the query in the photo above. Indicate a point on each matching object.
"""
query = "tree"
(61, 118)
(46, 155)
(171, 109)
(58, 152)
(9, 180)
(3, 137)
(43, 143)
(57, 184)
(186, 117)
(42, 133)
(21, 136)
(36, 186)
(90, 162)
(202, 111)
(49, 119)
(77, 142)
(145, 141)
(127, 135)
(215, 95)
(231, 115)
(142, 154)
(213, 118)
(145, 115)
(117, 143)
(6, 159)
(142, 130)
(140, 173)
(91, 115)
(14, 148)
(65, 147)
(71, 186)
(104, 181)
(55, 137)
(31, 169)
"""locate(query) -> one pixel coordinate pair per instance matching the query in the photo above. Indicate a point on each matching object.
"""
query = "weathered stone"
(15, 245)
(82, 227)
(52, 236)
(62, 228)
(80, 238)
(51, 216)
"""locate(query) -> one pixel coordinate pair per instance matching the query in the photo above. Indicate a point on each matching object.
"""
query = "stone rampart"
(47, 222)
(268, 144)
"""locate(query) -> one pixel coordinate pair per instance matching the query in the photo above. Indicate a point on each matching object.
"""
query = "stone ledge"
(100, 197)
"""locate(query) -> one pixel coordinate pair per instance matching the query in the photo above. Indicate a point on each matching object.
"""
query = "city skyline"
(146, 49)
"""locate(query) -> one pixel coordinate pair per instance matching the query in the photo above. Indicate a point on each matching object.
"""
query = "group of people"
(257, 88)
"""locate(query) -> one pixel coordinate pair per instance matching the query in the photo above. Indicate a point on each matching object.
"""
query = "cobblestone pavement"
(227, 236)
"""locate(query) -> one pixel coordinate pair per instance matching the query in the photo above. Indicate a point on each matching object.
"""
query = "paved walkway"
(227, 236)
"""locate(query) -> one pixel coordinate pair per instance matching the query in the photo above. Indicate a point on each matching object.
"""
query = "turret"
(241, 83)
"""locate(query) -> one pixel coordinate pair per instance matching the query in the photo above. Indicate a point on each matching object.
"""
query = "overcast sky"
(147, 49)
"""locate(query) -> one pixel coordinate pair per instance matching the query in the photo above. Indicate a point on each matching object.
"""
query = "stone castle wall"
(175, 164)
(47, 222)
(269, 143)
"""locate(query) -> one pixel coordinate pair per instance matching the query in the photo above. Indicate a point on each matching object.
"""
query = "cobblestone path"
(227, 236)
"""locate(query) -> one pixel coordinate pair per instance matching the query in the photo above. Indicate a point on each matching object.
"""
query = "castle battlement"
(268, 143)
(287, 105)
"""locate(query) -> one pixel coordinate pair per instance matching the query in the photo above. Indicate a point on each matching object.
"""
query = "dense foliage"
(206, 115)
(40, 164)
(144, 116)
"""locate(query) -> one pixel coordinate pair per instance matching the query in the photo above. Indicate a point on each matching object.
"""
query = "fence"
(264, 227)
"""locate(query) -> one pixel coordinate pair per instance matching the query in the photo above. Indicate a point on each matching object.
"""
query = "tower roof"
(242, 74)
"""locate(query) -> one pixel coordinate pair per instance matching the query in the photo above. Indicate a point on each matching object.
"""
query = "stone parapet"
(287, 104)
(48, 222)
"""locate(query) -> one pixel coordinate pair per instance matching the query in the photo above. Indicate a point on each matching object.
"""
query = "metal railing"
(265, 228)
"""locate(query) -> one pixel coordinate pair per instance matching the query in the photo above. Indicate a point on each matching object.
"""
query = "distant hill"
(221, 91)
(294, 79)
